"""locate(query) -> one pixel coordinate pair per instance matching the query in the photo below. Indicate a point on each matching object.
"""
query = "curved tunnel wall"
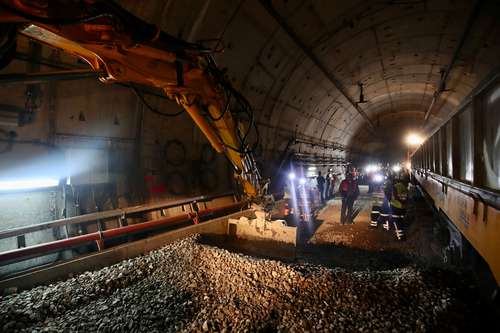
(396, 49)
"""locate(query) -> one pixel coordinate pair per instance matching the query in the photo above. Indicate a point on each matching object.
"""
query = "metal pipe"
(315, 60)
(107, 214)
(442, 82)
(32, 78)
(43, 249)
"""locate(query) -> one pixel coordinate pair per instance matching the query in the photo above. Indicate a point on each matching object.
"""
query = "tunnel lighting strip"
(28, 184)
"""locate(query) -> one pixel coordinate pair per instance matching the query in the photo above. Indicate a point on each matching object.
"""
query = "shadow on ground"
(350, 258)
(328, 255)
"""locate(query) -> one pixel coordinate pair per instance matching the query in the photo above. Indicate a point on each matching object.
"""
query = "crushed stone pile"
(188, 286)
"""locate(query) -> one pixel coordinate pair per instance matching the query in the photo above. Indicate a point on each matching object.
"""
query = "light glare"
(302, 181)
(414, 139)
(372, 168)
(378, 178)
(28, 184)
(291, 176)
(396, 168)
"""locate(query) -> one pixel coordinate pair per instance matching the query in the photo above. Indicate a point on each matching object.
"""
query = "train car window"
(428, 148)
(421, 156)
(437, 164)
(449, 150)
(424, 155)
(491, 137)
(431, 153)
(419, 159)
(415, 161)
(424, 163)
(427, 156)
(465, 144)
(439, 149)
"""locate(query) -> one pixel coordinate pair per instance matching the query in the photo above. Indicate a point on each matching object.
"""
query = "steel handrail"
(490, 198)
(37, 250)
(114, 213)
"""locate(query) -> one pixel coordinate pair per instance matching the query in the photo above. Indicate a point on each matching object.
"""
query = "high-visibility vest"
(398, 199)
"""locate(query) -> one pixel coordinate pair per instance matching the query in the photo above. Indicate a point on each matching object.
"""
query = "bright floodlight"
(302, 181)
(414, 139)
(28, 184)
(372, 168)
(378, 178)
(291, 176)
(396, 168)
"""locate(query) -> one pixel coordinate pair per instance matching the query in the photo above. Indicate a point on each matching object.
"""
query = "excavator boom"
(129, 50)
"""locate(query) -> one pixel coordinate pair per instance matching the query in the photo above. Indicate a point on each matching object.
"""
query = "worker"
(333, 185)
(349, 191)
(375, 215)
(265, 186)
(320, 180)
(287, 197)
(328, 180)
(385, 209)
(398, 204)
(369, 180)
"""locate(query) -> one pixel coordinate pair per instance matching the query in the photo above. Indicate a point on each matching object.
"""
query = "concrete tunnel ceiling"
(398, 50)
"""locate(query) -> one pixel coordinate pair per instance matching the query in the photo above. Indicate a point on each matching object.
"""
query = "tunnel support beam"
(310, 54)
(444, 77)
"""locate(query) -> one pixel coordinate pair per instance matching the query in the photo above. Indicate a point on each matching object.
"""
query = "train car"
(458, 170)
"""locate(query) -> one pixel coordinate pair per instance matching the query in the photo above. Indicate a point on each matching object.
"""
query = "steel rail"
(115, 213)
(15, 255)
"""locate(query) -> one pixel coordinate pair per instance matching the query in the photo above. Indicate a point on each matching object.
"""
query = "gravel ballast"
(188, 286)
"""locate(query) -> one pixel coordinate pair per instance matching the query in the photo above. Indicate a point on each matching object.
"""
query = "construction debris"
(188, 286)
(261, 229)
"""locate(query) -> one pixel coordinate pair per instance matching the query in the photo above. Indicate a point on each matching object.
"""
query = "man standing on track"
(321, 186)
(398, 205)
(349, 191)
(332, 186)
(327, 185)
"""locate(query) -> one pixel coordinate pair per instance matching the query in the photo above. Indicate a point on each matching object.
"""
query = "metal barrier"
(108, 214)
(99, 236)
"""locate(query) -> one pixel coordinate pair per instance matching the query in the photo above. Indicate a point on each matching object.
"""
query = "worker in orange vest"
(349, 191)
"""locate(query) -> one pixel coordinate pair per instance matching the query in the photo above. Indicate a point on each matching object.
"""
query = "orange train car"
(458, 169)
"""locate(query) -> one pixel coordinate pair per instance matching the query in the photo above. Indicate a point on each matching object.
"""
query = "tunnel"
(249, 165)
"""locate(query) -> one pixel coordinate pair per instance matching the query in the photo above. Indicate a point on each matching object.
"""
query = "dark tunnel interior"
(249, 165)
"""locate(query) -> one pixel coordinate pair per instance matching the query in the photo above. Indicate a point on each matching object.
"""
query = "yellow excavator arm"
(129, 50)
